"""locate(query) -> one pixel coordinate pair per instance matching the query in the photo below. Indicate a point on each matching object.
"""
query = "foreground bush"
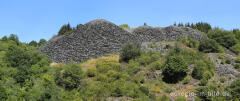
(235, 89)
(130, 51)
(69, 76)
(175, 69)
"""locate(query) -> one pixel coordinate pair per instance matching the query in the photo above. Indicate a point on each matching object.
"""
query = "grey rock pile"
(99, 37)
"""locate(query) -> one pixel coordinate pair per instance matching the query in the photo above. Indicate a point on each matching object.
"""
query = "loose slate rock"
(99, 37)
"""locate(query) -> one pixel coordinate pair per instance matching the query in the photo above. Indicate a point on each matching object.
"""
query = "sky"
(36, 19)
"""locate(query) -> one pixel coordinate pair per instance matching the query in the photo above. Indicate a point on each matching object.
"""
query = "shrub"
(155, 66)
(198, 69)
(144, 90)
(236, 48)
(209, 46)
(130, 51)
(203, 82)
(91, 73)
(237, 66)
(237, 60)
(224, 38)
(228, 61)
(69, 76)
(222, 79)
(144, 60)
(235, 89)
(133, 68)
(190, 42)
(125, 26)
(186, 80)
(175, 69)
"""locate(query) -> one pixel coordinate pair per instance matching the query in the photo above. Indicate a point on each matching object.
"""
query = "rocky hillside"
(100, 37)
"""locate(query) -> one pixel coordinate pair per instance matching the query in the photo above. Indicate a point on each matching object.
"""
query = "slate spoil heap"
(99, 37)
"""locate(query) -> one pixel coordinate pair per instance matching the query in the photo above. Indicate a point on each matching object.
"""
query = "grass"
(91, 63)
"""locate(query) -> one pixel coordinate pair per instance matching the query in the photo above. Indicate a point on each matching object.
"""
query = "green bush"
(198, 69)
(235, 89)
(228, 61)
(186, 80)
(91, 73)
(209, 46)
(133, 68)
(190, 42)
(155, 66)
(237, 60)
(236, 48)
(237, 66)
(130, 51)
(124, 26)
(224, 38)
(144, 90)
(175, 69)
(69, 76)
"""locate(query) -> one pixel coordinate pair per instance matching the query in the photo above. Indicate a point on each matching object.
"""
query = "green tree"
(224, 38)
(42, 42)
(64, 29)
(33, 43)
(5, 38)
(175, 69)
(208, 46)
(14, 38)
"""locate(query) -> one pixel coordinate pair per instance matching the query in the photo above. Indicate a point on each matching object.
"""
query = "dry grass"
(91, 63)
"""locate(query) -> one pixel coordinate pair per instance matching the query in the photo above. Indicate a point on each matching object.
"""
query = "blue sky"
(35, 19)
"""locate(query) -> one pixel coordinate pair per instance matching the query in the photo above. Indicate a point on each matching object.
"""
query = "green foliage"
(124, 26)
(235, 48)
(188, 41)
(175, 69)
(164, 98)
(5, 38)
(91, 73)
(224, 38)
(69, 76)
(180, 98)
(209, 46)
(33, 43)
(14, 38)
(198, 69)
(186, 80)
(228, 61)
(64, 29)
(235, 89)
(42, 42)
(148, 57)
(130, 51)
(133, 67)
(155, 66)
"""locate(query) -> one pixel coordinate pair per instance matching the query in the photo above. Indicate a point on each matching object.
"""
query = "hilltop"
(99, 37)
